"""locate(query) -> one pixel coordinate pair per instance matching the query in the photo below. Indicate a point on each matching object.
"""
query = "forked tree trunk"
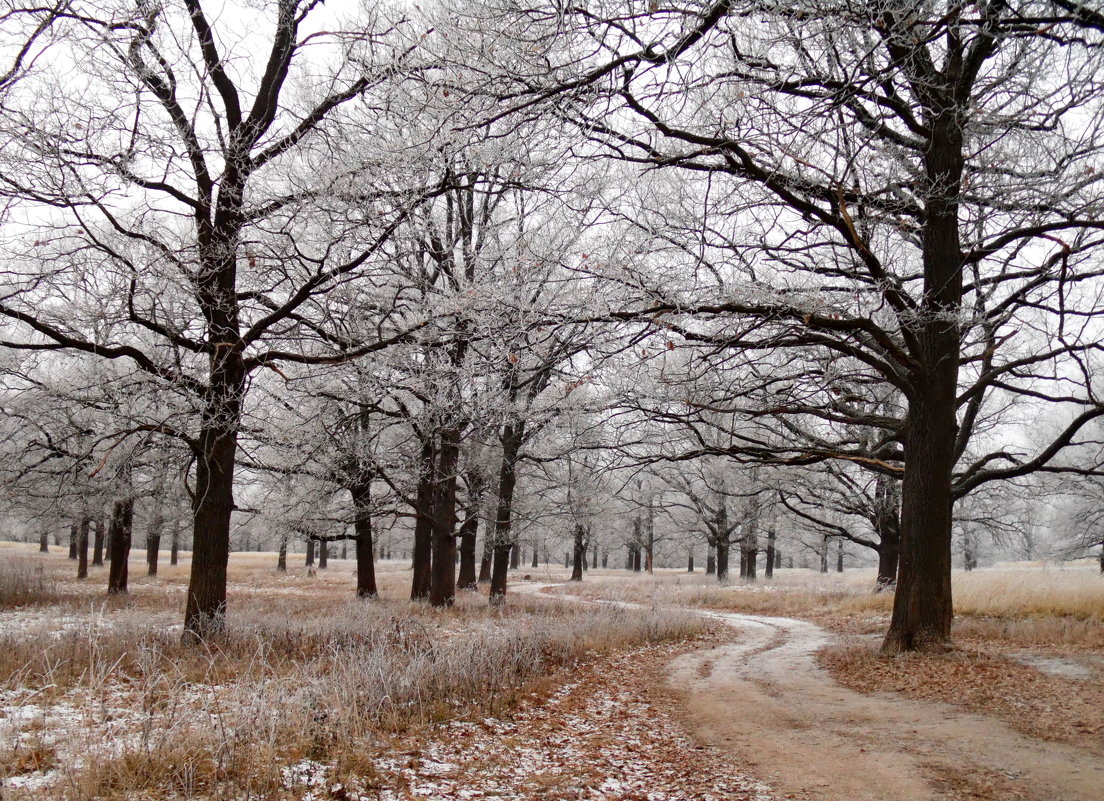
(122, 527)
(82, 548)
(98, 540)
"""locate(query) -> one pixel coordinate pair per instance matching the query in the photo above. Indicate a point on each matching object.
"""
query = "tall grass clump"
(24, 583)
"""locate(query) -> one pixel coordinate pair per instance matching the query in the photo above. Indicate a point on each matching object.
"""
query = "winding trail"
(764, 700)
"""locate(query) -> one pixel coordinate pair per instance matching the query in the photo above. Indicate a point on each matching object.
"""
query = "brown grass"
(25, 583)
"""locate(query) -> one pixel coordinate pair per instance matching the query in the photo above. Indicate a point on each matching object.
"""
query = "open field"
(99, 699)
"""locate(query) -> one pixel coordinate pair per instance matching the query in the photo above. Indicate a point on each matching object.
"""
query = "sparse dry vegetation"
(123, 709)
(25, 583)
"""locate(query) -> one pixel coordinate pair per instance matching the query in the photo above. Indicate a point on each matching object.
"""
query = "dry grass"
(103, 697)
(25, 583)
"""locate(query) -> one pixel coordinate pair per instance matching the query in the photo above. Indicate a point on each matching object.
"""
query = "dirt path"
(764, 700)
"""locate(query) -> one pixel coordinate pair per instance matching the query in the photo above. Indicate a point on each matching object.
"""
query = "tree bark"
(44, 542)
(281, 559)
(323, 554)
(442, 591)
(690, 563)
(722, 560)
(922, 606)
(309, 561)
(485, 559)
(768, 566)
(74, 534)
(512, 437)
(361, 493)
(423, 521)
(578, 552)
(122, 526)
(98, 540)
(82, 548)
(710, 562)
(469, 532)
(515, 556)
(174, 548)
(823, 554)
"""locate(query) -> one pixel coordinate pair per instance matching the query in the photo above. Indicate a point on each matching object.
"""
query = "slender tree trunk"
(535, 563)
(122, 527)
(752, 567)
(74, 534)
(605, 559)
(710, 562)
(512, 437)
(768, 566)
(281, 559)
(823, 554)
(690, 563)
(44, 542)
(82, 547)
(594, 558)
(515, 556)
(174, 547)
(485, 559)
(743, 561)
(153, 538)
(423, 521)
(839, 555)
(1102, 559)
(637, 551)
(469, 532)
(309, 561)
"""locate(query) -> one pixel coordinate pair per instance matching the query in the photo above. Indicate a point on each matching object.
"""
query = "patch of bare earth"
(986, 678)
(605, 734)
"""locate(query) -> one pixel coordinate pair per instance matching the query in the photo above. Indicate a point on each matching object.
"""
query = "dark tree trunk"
(361, 493)
(743, 562)
(605, 560)
(594, 559)
(344, 550)
(722, 560)
(485, 559)
(323, 554)
(1102, 559)
(567, 558)
(768, 566)
(44, 542)
(515, 556)
(469, 532)
(205, 608)
(887, 528)
(823, 554)
(98, 541)
(922, 604)
(637, 552)
(512, 437)
(442, 591)
(122, 527)
(422, 575)
(710, 562)
(82, 548)
(174, 547)
(839, 555)
(751, 566)
(578, 552)
(628, 557)
(690, 564)
(74, 535)
(281, 559)
(536, 563)
(309, 561)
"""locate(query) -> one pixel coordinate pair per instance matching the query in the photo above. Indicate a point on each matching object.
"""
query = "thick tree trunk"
(213, 507)
(690, 563)
(422, 555)
(722, 560)
(82, 548)
(751, 566)
(536, 557)
(578, 552)
(74, 535)
(637, 562)
(323, 554)
(98, 540)
(122, 527)
(442, 591)
(281, 559)
(153, 548)
(469, 532)
(768, 566)
(710, 562)
(515, 556)
(361, 493)
(922, 606)
(743, 562)
(309, 560)
(44, 542)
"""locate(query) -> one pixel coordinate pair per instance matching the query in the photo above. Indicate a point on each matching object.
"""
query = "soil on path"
(784, 720)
